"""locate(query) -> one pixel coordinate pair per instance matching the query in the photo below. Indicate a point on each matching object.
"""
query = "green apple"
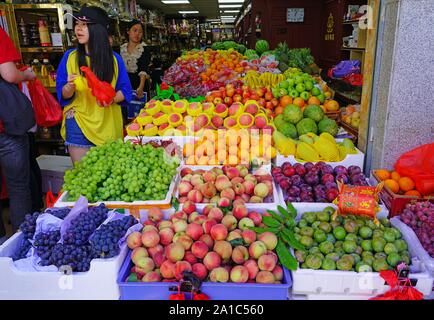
(283, 92)
(305, 95)
(275, 92)
(300, 87)
(315, 91)
(308, 85)
(298, 80)
(291, 83)
(321, 97)
(284, 84)
(294, 93)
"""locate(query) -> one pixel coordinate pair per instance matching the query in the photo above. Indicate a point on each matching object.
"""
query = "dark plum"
(311, 179)
(291, 199)
(294, 191)
(276, 170)
(285, 184)
(299, 169)
(354, 170)
(286, 165)
(342, 178)
(331, 185)
(279, 177)
(314, 170)
(327, 178)
(319, 189)
(289, 171)
(332, 194)
(327, 169)
(296, 180)
(340, 170)
(308, 166)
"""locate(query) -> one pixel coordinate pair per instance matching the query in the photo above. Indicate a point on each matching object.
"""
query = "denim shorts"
(74, 135)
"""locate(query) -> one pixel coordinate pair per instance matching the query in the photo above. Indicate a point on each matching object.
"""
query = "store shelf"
(41, 49)
(353, 48)
(38, 6)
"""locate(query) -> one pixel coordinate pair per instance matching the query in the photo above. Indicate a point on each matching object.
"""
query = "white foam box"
(334, 284)
(275, 199)
(64, 200)
(414, 243)
(357, 159)
(53, 169)
(97, 283)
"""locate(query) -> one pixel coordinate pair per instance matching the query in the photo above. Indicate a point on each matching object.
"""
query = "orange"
(406, 184)
(392, 185)
(413, 193)
(314, 100)
(285, 100)
(299, 102)
(278, 110)
(395, 176)
(382, 174)
(331, 105)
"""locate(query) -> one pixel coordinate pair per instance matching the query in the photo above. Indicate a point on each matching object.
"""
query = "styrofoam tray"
(97, 283)
(249, 206)
(414, 243)
(63, 200)
(334, 282)
(357, 159)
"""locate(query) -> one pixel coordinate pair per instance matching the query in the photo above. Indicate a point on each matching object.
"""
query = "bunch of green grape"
(119, 171)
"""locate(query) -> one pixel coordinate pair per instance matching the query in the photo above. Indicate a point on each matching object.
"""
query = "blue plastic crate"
(216, 291)
(136, 105)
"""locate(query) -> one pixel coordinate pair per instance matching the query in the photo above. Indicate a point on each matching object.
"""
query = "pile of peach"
(224, 186)
(203, 243)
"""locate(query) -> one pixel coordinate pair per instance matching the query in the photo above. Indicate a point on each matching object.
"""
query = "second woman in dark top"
(137, 58)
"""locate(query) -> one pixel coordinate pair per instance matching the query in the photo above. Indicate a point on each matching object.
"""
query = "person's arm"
(65, 87)
(144, 72)
(123, 84)
(10, 73)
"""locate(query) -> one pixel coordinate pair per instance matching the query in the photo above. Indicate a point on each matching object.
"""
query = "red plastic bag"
(101, 90)
(418, 164)
(48, 112)
(50, 199)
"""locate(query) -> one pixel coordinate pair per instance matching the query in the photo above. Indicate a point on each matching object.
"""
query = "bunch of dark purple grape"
(105, 240)
(84, 225)
(420, 217)
(28, 228)
(44, 244)
(315, 182)
(77, 258)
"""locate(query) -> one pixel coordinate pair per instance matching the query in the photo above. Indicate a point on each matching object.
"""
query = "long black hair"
(100, 53)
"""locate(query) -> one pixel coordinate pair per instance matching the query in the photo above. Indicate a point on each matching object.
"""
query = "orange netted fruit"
(382, 174)
(395, 176)
(392, 185)
(406, 184)
(299, 102)
(278, 110)
(314, 100)
(414, 193)
(285, 100)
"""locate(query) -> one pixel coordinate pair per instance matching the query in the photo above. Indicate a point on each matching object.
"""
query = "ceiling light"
(230, 17)
(175, 1)
(230, 6)
(231, 1)
(231, 11)
(188, 12)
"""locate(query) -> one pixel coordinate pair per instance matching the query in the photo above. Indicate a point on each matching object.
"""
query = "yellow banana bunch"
(268, 80)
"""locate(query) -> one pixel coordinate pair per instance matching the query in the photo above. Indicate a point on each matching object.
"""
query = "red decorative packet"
(358, 201)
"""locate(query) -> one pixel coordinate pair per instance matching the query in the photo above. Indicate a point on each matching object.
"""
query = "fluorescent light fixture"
(231, 1)
(231, 11)
(230, 6)
(188, 12)
(175, 1)
(225, 17)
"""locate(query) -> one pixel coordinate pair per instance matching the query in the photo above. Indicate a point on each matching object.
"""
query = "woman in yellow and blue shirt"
(86, 121)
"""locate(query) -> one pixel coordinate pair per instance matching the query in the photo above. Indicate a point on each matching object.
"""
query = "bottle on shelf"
(35, 41)
(36, 66)
(44, 34)
(47, 71)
